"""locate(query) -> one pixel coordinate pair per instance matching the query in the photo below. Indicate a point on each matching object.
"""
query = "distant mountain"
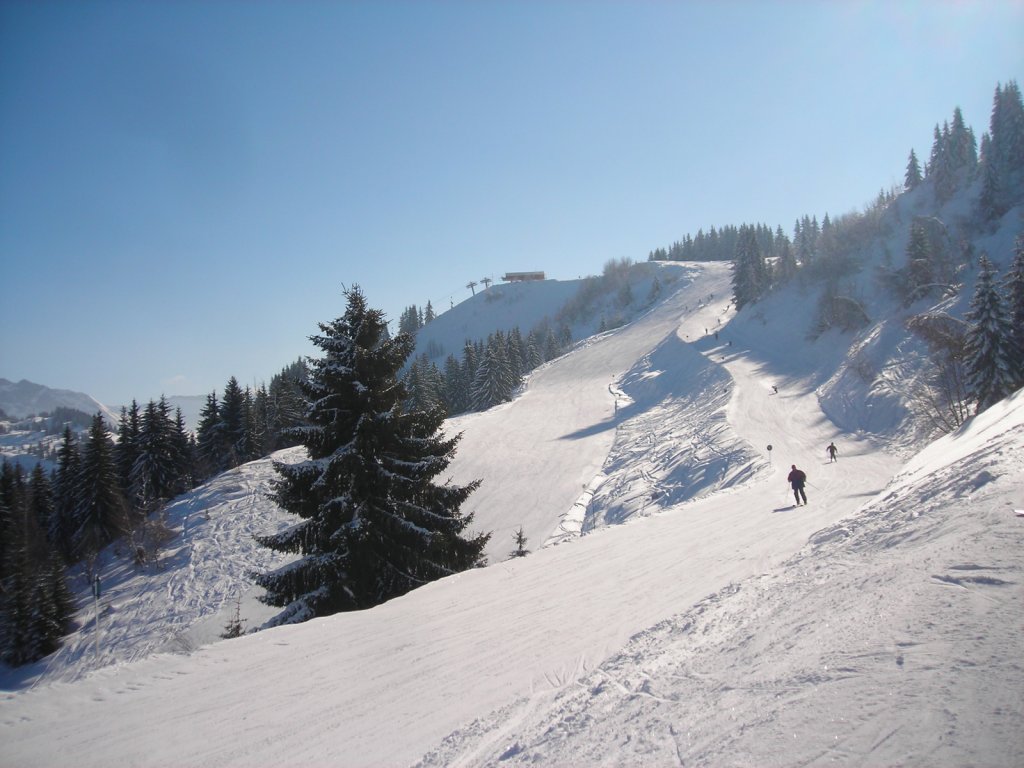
(25, 398)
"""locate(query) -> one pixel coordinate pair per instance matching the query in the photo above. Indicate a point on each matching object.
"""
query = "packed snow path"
(384, 686)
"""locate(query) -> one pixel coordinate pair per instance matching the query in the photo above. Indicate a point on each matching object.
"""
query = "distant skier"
(797, 478)
(775, 390)
(832, 451)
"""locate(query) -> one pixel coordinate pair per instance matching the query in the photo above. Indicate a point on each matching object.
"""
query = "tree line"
(487, 373)
(111, 486)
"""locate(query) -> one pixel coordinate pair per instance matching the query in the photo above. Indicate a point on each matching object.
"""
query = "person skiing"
(796, 479)
(832, 451)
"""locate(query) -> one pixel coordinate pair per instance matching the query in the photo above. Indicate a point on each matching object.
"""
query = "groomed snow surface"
(683, 611)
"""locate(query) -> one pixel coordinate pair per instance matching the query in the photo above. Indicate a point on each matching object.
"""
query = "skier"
(797, 478)
(775, 390)
(832, 451)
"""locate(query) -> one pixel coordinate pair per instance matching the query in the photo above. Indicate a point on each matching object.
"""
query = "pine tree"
(35, 604)
(183, 451)
(63, 524)
(989, 372)
(520, 541)
(127, 451)
(155, 474)
(287, 408)
(750, 273)
(101, 513)
(210, 439)
(1013, 293)
(233, 424)
(1003, 172)
(785, 262)
(913, 176)
(492, 383)
(374, 525)
(455, 392)
(919, 263)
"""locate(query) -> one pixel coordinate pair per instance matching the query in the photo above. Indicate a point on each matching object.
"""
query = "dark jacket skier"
(796, 479)
(832, 451)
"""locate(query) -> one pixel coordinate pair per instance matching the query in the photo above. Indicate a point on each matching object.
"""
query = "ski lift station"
(521, 277)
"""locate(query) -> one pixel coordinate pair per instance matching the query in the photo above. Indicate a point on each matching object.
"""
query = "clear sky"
(185, 187)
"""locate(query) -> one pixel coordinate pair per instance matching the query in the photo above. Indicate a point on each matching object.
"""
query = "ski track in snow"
(185, 598)
(925, 673)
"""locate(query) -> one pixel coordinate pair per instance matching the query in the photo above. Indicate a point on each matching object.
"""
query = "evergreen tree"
(127, 451)
(785, 261)
(1003, 176)
(913, 176)
(155, 475)
(63, 524)
(428, 314)
(40, 495)
(35, 604)
(101, 513)
(374, 524)
(1013, 292)
(233, 424)
(210, 452)
(919, 263)
(520, 541)
(989, 372)
(493, 381)
(514, 354)
(260, 439)
(287, 407)
(750, 273)
(534, 350)
(183, 450)
(455, 392)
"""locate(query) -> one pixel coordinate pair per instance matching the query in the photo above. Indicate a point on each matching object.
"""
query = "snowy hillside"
(581, 305)
(684, 611)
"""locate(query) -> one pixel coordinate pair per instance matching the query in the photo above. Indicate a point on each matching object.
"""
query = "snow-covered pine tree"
(750, 273)
(126, 451)
(988, 362)
(287, 407)
(154, 476)
(210, 438)
(1003, 172)
(1013, 292)
(455, 388)
(374, 524)
(233, 424)
(491, 385)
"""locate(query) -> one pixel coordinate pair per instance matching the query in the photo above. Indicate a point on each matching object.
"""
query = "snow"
(683, 612)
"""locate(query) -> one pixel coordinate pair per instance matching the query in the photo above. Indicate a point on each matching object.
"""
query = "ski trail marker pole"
(96, 597)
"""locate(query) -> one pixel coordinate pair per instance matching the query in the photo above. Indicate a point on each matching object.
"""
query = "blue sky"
(185, 187)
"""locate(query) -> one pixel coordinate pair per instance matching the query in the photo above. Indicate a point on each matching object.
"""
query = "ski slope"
(716, 627)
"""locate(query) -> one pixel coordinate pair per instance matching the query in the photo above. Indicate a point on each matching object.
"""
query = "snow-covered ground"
(716, 625)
